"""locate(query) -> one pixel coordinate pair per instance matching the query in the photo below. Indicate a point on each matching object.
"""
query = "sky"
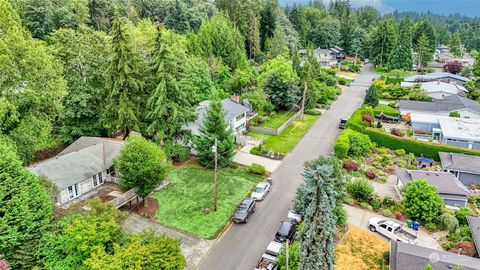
(469, 8)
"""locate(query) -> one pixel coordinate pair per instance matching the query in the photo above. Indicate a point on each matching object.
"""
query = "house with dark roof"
(438, 89)
(450, 189)
(467, 108)
(325, 57)
(437, 76)
(465, 167)
(405, 256)
(83, 166)
(474, 225)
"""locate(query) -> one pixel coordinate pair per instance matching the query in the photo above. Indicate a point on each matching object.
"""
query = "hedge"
(342, 145)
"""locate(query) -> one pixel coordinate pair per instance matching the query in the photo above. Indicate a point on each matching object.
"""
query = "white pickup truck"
(267, 261)
(391, 230)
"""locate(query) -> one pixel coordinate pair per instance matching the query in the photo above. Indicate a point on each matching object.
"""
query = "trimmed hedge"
(342, 145)
(352, 144)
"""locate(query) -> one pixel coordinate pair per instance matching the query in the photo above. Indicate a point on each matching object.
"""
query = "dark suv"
(286, 231)
(244, 210)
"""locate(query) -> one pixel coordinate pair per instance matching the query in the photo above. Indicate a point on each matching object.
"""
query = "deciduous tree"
(421, 201)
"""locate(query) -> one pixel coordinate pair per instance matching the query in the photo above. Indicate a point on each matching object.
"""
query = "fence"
(124, 198)
(277, 131)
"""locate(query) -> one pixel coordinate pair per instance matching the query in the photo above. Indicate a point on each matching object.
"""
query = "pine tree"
(215, 127)
(401, 57)
(371, 98)
(316, 199)
(455, 44)
(422, 47)
(121, 110)
(383, 42)
(169, 106)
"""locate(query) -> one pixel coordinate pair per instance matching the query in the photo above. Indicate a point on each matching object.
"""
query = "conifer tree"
(371, 98)
(169, 106)
(122, 108)
(401, 57)
(215, 127)
(455, 44)
(422, 47)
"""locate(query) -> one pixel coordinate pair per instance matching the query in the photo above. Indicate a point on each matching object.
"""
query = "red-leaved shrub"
(464, 248)
(396, 132)
(350, 165)
(398, 215)
(419, 131)
(370, 175)
(367, 118)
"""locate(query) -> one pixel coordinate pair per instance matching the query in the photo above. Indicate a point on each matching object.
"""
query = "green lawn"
(277, 119)
(287, 140)
(386, 109)
(183, 202)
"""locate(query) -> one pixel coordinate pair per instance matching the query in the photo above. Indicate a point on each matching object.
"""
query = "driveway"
(359, 217)
(242, 244)
(387, 188)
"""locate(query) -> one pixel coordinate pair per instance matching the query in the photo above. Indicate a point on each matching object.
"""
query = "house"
(465, 167)
(454, 131)
(325, 57)
(338, 52)
(450, 189)
(80, 168)
(474, 225)
(442, 107)
(405, 256)
(442, 49)
(437, 76)
(439, 89)
(236, 115)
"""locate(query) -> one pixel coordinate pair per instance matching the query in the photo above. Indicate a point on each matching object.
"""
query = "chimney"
(235, 98)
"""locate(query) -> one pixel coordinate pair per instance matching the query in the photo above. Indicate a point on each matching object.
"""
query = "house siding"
(427, 127)
(84, 187)
(469, 178)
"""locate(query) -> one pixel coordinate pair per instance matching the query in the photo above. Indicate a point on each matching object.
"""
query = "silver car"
(261, 191)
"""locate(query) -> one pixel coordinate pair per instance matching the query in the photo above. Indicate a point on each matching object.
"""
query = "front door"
(73, 191)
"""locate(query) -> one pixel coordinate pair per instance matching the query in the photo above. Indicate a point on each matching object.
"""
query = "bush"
(375, 202)
(398, 215)
(364, 205)
(367, 118)
(348, 200)
(360, 189)
(387, 213)
(360, 144)
(448, 222)
(379, 125)
(421, 201)
(388, 201)
(464, 248)
(350, 165)
(431, 226)
(462, 234)
(342, 146)
(341, 215)
(386, 257)
(400, 152)
(342, 81)
(257, 169)
(396, 132)
(313, 112)
(462, 214)
(370, 175)
(257, 150)
(177, 152)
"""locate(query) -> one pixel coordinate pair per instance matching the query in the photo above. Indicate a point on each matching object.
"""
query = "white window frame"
(73, 191)
(100, 178)
(95, 181)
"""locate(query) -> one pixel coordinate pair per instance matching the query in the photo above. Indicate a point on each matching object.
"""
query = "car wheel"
(246, 219)
(372, 228)
(253, 210)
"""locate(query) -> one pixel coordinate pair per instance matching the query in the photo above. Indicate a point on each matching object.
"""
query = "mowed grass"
(287, 140)
(386, 109)
(360, 250)
(183, 202)
(278, 119)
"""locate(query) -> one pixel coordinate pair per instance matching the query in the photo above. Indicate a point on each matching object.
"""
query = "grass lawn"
(348, 75)
(183, 202)
(277, 119)
(360, 250)
(285, 142)
(386, 109)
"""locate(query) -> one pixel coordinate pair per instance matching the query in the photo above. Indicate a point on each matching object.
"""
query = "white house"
(467, 108)
(437, 76)
(325, 57)
(439, 89)
(82, 167)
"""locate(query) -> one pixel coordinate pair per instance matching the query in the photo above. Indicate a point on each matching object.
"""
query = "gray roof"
(405, 256)
(460, 162)
(447, 104)
(445, 182)
(474, 224)
(231, 108)
(82, 159)
(435, 76)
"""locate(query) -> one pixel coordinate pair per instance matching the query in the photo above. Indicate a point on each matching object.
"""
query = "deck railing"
(124, 198)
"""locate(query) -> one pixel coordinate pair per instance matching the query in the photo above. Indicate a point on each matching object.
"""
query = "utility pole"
(215, 196)
(303, 99)
(286, 255)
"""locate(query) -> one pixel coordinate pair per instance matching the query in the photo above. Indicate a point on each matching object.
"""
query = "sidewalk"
(244, 157)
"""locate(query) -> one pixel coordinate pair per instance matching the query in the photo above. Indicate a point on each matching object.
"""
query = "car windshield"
(259, 189)
(242, 209)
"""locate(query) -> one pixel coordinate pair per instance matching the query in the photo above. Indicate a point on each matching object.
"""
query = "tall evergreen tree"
(401, 57)
(268, 19)
(383, 42)
(422, 47)
(122, 108)
(371, 98)
(215, 127)
(169, 106)
(317, 198)
(455, 44)
(425, 28)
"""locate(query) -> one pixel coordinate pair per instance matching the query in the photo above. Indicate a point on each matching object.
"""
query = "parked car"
(367, 61)
(392, 230)
(261, 191)
(244, 210)
(294, 216)
(414, 67)
(267, 261)
(343, 123)
(286, 231)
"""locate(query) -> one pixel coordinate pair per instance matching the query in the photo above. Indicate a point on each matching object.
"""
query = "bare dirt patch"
(148, 211)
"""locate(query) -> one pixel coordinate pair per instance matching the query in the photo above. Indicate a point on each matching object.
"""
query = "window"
(73, 191)
(95, 182)
(383, 226)
(390, 229)
(100, 178)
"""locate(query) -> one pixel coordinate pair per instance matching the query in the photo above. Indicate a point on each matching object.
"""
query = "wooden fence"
(277, 131)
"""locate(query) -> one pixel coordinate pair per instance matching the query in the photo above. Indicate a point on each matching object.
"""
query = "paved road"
(242, 244)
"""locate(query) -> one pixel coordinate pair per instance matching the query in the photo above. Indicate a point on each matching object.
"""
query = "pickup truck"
(267, 261)
(391, 230)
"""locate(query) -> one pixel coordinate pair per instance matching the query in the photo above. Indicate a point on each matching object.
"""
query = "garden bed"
(148, 211)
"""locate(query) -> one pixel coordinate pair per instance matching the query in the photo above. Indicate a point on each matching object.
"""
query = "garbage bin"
(409, 223)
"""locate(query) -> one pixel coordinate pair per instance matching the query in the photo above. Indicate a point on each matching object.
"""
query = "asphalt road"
(243, 244)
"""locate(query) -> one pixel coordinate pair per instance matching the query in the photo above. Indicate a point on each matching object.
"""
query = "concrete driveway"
(242, 244)
(387, 188)
(359, 217)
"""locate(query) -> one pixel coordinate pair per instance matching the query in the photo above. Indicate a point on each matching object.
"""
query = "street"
(242, 244)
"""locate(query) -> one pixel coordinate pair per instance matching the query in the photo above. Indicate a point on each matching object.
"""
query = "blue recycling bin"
(415, 226)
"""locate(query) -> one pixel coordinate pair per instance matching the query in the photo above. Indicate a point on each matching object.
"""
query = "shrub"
(367, 118)
(379, 124)
(398, 215)
(350, 165)
(360, 144)
(462, 234)
(364, 205)
(462, 214)
(396, 132)
(342, 81)
(341, 215)
(342, 146)
(257, 169)
(386, 257)
(375, 202)
(421, 201)
(448, 222)
(454, 114)
(257, 150)
(177, 152)
(388, 201)
(431, 226)
(313, 112)
(387, 213)
(370, 175)
(360, 189)
(400, 152)
(348, 200)
(464, 248)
